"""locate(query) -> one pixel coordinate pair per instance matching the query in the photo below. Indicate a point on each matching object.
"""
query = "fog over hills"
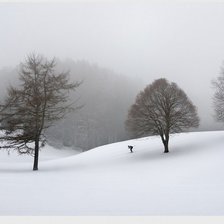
(117, 48)
(106, 97)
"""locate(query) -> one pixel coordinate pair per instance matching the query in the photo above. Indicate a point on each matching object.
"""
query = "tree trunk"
(36, 155)
(166, 148)
(165, 140)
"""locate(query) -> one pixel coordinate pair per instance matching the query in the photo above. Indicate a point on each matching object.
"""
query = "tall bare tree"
(218, 98)
(160, 109)
(41, 99)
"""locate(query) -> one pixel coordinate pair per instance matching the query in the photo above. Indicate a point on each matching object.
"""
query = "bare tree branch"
(39, 101)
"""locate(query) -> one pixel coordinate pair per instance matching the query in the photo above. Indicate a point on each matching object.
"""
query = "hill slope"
(109, 180)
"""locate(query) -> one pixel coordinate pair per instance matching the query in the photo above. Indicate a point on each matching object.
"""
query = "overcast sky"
(183, 42)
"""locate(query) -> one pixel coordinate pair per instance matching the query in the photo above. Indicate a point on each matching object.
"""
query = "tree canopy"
(29, 109)
(160, 109)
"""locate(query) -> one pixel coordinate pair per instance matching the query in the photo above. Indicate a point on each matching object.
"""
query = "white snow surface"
(109, 180)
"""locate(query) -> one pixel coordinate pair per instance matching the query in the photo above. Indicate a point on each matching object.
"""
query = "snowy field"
(109, 180)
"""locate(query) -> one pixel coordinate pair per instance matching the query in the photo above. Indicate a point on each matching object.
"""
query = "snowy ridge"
(109, 180)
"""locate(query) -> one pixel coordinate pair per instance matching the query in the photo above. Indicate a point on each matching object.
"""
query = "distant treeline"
(106, 98)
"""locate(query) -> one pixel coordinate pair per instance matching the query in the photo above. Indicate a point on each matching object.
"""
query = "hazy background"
(142, 41)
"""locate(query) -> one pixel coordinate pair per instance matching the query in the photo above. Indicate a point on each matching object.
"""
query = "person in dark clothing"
(130, 147)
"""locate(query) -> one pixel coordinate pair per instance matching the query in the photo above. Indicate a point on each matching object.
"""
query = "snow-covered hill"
(109, 180)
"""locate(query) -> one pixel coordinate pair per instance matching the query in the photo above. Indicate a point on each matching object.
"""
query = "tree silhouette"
(32, 107)
(160, 109)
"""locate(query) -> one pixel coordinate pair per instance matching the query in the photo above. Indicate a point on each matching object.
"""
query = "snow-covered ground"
(109, 180)
(46, 153)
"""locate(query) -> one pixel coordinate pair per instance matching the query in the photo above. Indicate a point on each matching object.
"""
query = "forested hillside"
(105, 97)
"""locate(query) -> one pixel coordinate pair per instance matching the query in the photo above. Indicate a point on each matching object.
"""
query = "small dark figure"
(130, 147)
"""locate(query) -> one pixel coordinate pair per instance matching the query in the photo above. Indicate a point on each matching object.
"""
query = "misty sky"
(183, 42)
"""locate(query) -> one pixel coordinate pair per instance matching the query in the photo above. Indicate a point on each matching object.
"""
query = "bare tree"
(40, 100)
(160, 109)
(218, 98)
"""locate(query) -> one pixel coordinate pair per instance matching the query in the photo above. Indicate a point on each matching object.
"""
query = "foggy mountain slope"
(143, 40)
(109, 180)
(106, 98)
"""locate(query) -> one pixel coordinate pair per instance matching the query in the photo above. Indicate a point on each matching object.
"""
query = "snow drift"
(109, 180)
